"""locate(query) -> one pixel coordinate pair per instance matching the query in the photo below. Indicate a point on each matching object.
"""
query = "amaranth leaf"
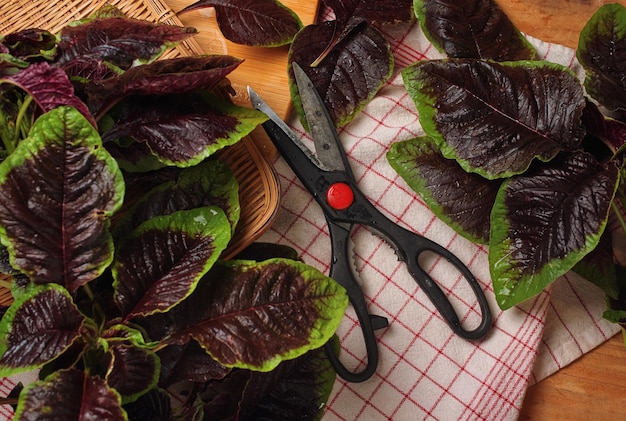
(50, 88)
(154, 405)
(296, 389)
(462, 200)
(598, 267)
(496, 118)
(472, 29)
(255, 315)
(38, 326)
(172, 76)
(56, 229)
(351, 73)
(261, 23)
(545, 221)
(350, 14)
(120, 41)
(188, 362)
(31, 44)
(179, 130)
(132, 371)
(69, 395)
(602, 53)
(165, 257)
(210, 182)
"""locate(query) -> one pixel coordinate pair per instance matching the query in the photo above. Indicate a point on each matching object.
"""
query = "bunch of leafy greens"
(520, 154)
(120, 295)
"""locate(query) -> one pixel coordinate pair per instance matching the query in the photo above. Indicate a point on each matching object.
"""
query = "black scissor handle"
(341, 271)
(410, 246)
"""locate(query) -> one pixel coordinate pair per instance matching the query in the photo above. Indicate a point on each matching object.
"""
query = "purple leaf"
(189, 363)
(39, 326)
(69, 395)
(607, 130)
(132, 371)
(602, 53)
(375, 12)
(180, 130)
(472, 29)
(50, 88)
(209, 183)
(304, 383)
(545, 221)
(265, 23)
(30, 44)
(462, 200)
(253, 315)
(352, 13)
(173, 76)
(351, 73)
(162, 261)
(119, 41)
(496, 118)
(57, 192)
(154, 405)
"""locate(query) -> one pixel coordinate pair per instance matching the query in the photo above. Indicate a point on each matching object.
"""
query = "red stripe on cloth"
(6, 386)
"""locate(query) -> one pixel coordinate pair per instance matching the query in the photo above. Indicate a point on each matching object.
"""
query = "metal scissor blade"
(260, 105)
(327, 144)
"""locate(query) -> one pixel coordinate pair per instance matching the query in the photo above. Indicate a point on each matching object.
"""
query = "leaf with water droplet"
(350, 75)
(495, 119)
(348, 59)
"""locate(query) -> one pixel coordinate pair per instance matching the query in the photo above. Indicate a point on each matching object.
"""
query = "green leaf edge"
(46, 382)
(125, 399)
(420, 13)
(35, 143)
(418, 184)
(6, 324)
(323, 328)
(427, 110)
(208, 221)
(510, 292)
(614, 13)
(248, 118)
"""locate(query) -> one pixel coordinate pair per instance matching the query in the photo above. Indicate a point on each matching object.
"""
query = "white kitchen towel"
(426, 371)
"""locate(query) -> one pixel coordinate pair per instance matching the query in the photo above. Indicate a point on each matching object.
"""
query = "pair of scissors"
(328, 177)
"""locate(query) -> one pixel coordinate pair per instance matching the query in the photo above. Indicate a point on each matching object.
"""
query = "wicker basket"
(257, 180)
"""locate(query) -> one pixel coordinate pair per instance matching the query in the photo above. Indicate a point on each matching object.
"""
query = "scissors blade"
(325, 138)
(260, 105)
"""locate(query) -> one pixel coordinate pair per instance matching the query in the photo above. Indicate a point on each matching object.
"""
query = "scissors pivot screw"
(339, 196)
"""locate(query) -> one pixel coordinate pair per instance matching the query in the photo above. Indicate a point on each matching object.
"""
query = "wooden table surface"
(593, 387)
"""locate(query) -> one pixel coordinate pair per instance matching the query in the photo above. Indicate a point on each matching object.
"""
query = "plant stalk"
(18, 123)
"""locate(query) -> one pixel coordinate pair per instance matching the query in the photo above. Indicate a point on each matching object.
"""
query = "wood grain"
(556, 21)
(593, 387)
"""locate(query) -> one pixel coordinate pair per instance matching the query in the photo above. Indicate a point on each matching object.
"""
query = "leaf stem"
(5, 284)
(18, 123)
(618, 214)
(97, 308)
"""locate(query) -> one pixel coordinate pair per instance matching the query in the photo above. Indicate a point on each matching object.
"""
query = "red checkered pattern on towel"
(425, 371)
